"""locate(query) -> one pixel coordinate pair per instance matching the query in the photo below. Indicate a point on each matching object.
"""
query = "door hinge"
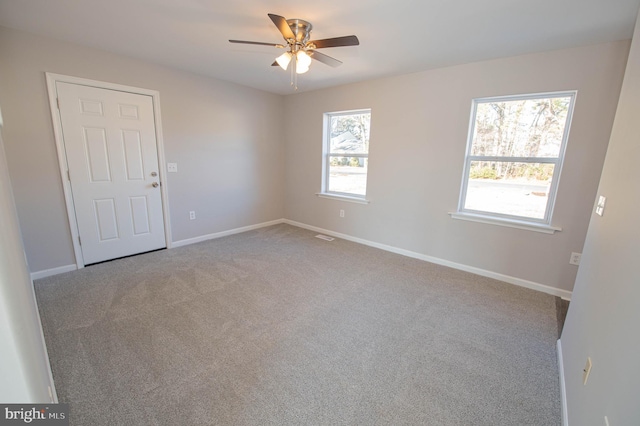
(69, 175)
(58, 102)
(79, 240)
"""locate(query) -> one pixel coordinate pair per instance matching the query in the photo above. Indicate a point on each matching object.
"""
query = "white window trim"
(509, 223)
(521, 222)
(362, 199)
(342, 197)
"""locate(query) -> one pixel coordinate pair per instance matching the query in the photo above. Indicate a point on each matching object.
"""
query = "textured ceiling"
(396, 37)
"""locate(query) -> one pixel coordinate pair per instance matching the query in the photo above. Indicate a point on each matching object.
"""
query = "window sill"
(343, 198)
(511, 223)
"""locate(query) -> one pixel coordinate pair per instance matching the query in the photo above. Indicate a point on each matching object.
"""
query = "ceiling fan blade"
(256, 42)
(282, 25)
(275, 64)
(325, 59)
(335, 42)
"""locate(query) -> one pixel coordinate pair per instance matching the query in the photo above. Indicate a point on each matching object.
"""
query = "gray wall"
(24, 366)
(419, 130)
(226, 139)
(239, 164)
(603, 318)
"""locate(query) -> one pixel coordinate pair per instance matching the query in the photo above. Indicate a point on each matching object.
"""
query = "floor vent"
(325, 237)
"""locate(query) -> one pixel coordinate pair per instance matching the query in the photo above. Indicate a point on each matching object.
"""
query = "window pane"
(350, 134)
(515, 189)
(348, 175)
(520, 128)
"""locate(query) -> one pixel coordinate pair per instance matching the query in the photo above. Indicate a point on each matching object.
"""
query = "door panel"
(110, 144)
(105, 219)
(95, 145)
(91, 107)
(133, 154)
(140, 215)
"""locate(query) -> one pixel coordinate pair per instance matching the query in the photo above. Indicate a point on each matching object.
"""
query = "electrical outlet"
(575, 258)
(341, 213)
(586, 371)
(172, 167)
(192, 215)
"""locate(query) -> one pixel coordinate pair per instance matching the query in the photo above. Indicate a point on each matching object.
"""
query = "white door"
(110, 144)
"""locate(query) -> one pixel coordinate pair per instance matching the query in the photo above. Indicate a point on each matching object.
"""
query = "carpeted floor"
(276, 327)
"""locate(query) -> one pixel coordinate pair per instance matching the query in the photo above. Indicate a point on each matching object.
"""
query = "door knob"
(155, 184)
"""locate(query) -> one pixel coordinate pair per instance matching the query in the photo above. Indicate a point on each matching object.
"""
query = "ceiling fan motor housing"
(301, 29)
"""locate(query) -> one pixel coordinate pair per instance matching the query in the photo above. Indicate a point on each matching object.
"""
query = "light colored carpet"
(276, 327)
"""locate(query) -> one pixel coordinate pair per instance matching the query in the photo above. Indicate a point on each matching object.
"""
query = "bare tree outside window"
(514, 155)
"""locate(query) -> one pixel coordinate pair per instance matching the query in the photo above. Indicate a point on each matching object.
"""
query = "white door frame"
(52, 79)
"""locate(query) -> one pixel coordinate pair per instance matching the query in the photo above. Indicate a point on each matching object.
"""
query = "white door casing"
(109, 143)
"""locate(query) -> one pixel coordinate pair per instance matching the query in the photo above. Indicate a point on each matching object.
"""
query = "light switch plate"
(586, 371)
(600, 206)
(575, 258)
(172, 167)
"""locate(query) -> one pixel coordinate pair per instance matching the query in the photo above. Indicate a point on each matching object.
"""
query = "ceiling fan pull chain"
(294, 74)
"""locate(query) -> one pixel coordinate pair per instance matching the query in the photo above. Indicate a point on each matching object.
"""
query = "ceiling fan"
(301, 50)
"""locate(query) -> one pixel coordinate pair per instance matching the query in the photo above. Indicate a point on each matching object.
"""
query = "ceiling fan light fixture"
(284, 59)
(300, 48)
(303, 60)
(301, 70)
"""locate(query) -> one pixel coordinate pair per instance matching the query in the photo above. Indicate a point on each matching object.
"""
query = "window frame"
(326, 157)
(506, 219)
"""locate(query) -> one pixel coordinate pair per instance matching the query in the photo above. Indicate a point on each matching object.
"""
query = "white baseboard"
(566, 295)
(563, 389)
(478, 271)
(53, 271)
(67, 268)
(201, 238)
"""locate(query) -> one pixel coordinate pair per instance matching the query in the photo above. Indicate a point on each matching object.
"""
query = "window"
(346, 153)
(514, 156)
